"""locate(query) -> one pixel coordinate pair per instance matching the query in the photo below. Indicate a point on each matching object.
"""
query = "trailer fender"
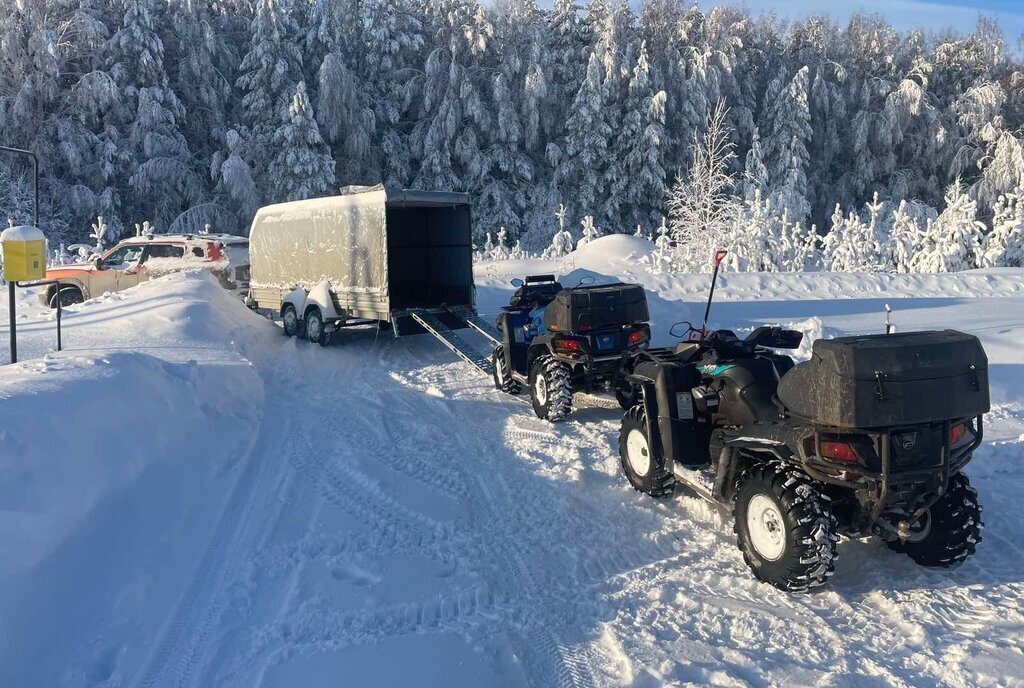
(320, 296)
(297, 298)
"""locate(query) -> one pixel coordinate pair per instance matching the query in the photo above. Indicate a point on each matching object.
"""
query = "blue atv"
(557, 341)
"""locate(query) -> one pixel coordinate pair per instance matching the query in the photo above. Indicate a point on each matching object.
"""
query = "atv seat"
(538, 290)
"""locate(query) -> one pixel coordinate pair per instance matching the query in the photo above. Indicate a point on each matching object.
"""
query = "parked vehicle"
(369, 255)
(559, 341)
(141, 258)
(868, 437)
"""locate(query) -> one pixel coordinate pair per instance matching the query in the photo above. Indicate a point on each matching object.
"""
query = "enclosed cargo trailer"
(402, 258)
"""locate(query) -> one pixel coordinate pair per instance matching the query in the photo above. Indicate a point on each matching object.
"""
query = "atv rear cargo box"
(596, 308)
(889, 380)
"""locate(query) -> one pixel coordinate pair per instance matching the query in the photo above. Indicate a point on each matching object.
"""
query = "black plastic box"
(596, 308)
(880, 381)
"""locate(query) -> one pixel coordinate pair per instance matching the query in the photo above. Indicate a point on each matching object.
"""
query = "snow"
(22, 233)
(189, 498)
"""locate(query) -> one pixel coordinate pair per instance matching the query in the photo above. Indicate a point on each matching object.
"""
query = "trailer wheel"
(290, 320)
(315, 330)
(954, 528)
(551, 389)
(503, 380)
(785, 528)
(642, 470)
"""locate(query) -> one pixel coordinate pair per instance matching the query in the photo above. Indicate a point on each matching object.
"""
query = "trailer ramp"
(450, 339)
(470, 317)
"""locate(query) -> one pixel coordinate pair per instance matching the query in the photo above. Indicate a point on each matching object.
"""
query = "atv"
(867, 438)
(557, 341)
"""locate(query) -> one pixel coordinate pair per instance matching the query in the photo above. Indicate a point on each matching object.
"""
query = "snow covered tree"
(163, 179)
(905, 236)
(589, 231)
(234, 179)
(583, 158)
(700, 204)
(270, 71)
(786, 154)
(303, 168)
(1004, 245)
(851, 244)
(953, 241)
(755, 174)
(640, 145)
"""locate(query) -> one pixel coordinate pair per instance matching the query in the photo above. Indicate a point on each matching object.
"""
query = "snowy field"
(188, 498)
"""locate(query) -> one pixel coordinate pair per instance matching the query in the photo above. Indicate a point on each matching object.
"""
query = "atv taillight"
(567, 345)
(956, 432)
(838, 451)
(638, 338)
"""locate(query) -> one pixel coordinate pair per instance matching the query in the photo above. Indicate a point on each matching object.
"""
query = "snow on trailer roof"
(410, 197)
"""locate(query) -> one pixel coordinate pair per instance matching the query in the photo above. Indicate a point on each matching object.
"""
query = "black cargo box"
(596, 308)
(877, 381)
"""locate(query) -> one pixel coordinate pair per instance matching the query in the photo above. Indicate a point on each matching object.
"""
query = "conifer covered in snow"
(303, 168)
(1004, 245)
(173, 111)
(953, 241)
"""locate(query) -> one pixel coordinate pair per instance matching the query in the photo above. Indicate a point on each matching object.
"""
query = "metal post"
(14, 324)
(59, 311)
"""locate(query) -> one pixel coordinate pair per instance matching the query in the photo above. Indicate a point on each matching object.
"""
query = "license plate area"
(605, 342)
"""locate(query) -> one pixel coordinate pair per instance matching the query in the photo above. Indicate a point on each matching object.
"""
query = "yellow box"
(24, 254)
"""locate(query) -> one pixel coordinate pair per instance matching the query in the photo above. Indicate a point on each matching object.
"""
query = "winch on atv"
(558, 341)
(868, 437)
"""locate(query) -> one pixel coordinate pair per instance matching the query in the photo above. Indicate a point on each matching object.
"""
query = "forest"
(798, 144)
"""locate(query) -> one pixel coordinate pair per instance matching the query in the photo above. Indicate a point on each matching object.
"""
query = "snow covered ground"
(188, 498)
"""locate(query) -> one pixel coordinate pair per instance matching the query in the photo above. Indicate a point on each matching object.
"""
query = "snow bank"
(78, 429)
(115, 458)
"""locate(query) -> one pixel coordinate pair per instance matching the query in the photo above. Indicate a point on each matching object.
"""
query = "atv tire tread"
(810, 558)
(503, 380)
(559, 385)
(659, 481)
(955, 528)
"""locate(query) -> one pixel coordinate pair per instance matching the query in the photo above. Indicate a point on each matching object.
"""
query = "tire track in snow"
(197, 613)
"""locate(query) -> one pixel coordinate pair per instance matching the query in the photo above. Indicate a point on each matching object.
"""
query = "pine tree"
(640, 143)
(234, 179)
(786, 154)
(303, 168)
(270, 71)
(584, 159)
(755, 174)
(163, 179)
(1004, 245)
(953, 241)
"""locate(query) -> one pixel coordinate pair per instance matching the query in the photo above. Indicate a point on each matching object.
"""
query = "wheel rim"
(290, 321)
(766, 527)
(540, 388)
(637, 452)
(313, 328)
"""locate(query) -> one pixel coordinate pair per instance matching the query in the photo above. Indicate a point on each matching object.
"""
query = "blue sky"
(904, 14)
